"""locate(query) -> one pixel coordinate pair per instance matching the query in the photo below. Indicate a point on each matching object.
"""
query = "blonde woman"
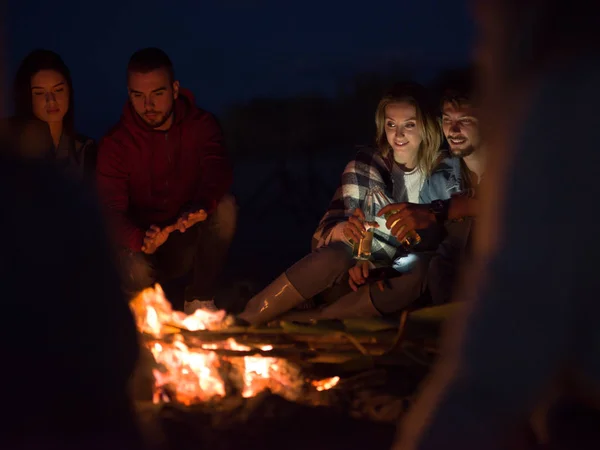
(408, 166)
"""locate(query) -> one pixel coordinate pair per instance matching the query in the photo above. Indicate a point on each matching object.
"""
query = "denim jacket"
(445, 180)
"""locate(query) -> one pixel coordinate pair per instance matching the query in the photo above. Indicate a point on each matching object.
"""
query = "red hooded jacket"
(148, 177)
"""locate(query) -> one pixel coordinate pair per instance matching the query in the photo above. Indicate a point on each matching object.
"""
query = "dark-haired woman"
(43, 90)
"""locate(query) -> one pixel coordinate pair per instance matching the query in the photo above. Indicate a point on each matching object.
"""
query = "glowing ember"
(327, 383)
(200, 372)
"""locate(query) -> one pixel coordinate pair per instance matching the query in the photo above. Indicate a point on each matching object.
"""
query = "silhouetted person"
(69, 342)
(164, 177)
(532, 322)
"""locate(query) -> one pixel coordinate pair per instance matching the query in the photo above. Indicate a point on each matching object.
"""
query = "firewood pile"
(209, 381)
(366, 390)
(360, 411)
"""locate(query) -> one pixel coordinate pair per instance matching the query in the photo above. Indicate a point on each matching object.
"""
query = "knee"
(325, 263)
(319, 270)
(136, 271)
(225, 217)
(336, 257)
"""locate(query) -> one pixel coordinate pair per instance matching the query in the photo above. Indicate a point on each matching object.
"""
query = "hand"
(155, 237)
(190, 219)
(406, 217)
(354, 228)
(358, 275)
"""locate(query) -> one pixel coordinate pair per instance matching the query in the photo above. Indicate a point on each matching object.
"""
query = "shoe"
(207, 305)
(277, 298)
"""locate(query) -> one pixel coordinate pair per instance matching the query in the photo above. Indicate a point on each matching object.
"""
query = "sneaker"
(191, 306)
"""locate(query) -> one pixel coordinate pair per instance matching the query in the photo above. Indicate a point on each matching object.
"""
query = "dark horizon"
(232, 52)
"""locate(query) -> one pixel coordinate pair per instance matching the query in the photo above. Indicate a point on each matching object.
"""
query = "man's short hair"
(149, 59)
(457, 87)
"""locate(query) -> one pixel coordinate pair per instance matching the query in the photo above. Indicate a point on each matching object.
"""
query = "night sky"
(232, 50)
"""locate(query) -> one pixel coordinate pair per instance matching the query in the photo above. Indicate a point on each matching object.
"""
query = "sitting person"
(163, 176)
(408, 166)
(456, 214)
(460, 124)
(43, 91)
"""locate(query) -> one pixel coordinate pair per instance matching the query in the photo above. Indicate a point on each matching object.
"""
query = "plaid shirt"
(368, 170)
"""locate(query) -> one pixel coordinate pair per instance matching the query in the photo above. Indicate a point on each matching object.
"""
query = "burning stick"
(205, 371)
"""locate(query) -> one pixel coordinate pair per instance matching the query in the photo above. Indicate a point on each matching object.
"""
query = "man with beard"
(163, 177)
(461, 129)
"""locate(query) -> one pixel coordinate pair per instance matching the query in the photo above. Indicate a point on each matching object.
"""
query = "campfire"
(197, 360)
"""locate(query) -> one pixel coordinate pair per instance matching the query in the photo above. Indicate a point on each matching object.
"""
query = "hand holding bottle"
(396, 215)
(356, 226)
(402, 219)
(361, 249)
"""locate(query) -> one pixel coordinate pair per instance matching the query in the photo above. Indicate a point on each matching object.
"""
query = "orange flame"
(190, 374)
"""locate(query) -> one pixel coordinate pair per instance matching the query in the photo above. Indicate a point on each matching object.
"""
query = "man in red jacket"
(163, 176)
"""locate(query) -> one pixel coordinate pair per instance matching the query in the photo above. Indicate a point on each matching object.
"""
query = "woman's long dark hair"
(35, 61)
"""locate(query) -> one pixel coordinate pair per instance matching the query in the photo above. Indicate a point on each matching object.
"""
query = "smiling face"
(49, 96)
(153, 96)
(461, 128)
(402, 132)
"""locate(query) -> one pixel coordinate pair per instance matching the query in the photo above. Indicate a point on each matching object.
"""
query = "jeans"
(194, 258)
(326, 269)
(401, 291)
(320, 269)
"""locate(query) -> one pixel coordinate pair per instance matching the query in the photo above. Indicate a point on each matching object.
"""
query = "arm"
(112, 178)
(215, 171)
(359, 175)
(460, 207)
(408, 217)
(350, 196)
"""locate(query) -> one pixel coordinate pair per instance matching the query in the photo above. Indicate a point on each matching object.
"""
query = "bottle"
(412, 238)
(362, 249)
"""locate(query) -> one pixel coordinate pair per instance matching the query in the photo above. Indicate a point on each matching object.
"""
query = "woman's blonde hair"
(428, 123)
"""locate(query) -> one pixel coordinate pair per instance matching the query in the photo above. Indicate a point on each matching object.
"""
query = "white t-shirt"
(413, 181)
